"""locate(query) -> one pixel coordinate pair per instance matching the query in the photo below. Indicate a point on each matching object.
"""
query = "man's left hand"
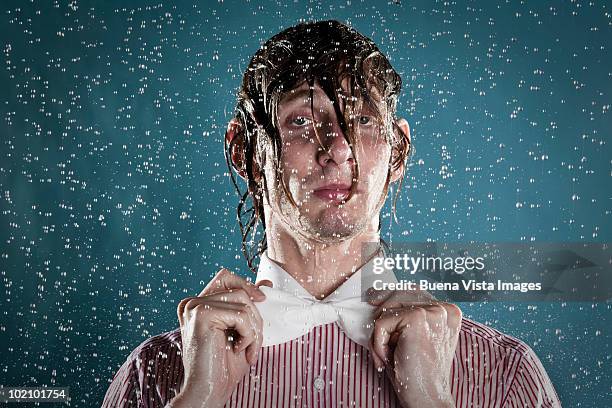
(414, 339)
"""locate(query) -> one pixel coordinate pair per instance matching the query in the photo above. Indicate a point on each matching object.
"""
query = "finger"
(418, 295)
(242, 343)
(254, 317)
(391, 325)
(436, 323)
(180, 308)
(252, 350)
(377, 297)
(239, 343)
(226, 280)
(419, 318)
(238, 298)
(223, 276)
(403, 298)
(233, 319)
(257, 324)
(224, 319)
(437, 314)
(209, 306)
(393, 306)
(454, 315)
(378, 363)
(446, 315)
(380, 340)
(251, 346)
(234, 306)
(265, 282)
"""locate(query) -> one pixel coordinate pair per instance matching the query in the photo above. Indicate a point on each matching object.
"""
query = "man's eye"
(300, 121)
(364, 120)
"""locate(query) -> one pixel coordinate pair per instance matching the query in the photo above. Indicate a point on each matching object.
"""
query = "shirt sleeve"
(124, 390)
(531, 386)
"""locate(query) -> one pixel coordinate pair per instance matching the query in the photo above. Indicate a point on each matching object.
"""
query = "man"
(316, 141)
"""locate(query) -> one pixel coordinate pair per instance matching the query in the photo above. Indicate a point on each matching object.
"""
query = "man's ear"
(235, 139)
(398, 171)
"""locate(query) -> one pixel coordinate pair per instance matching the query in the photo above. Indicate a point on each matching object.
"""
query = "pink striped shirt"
(324, 368)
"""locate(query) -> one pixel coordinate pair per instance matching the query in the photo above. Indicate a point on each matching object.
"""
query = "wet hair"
(326, 52)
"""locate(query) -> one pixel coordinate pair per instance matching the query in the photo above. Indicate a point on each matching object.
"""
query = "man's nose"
(335, 148)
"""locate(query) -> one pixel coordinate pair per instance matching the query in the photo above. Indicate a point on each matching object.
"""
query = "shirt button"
(319, 383)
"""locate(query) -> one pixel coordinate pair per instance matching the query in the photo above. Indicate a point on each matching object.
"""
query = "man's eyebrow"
(303, 95)
(294, 96)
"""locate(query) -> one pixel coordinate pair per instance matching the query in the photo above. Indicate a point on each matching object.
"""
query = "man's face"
(318, 171)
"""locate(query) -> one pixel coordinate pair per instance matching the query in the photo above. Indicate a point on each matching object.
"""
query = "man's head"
(315, 135)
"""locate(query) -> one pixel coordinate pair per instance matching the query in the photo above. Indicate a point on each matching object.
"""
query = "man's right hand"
(222, 334)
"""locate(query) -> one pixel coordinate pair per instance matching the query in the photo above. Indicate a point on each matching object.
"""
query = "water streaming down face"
(329, 76)
(324, 198)
(116, 203)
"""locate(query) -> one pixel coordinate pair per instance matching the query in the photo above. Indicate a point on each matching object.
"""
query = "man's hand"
(415, 338)
(221, 333)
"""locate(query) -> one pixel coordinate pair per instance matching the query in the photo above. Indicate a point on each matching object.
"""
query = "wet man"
(316, 140)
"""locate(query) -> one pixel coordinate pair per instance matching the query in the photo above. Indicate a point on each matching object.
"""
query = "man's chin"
(331, 228)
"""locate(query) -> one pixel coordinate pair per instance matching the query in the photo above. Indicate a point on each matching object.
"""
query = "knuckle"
(415, 317)
(180, 308)
(195, 316)
(190, 304)
(184, 301)
(453, 311)
(418, 313)
(224, 272)
(200, 309)
(221, 276)
(181, 305)
(439, 309)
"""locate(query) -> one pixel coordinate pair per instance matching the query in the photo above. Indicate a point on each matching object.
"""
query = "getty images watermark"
(458, 265)
(494, 271)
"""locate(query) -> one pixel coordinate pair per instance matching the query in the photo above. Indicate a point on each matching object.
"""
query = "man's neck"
(319, 267)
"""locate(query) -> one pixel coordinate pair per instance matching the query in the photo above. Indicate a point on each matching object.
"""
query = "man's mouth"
(333, 192)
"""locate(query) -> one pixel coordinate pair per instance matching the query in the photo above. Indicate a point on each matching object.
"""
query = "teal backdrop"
(115, 199)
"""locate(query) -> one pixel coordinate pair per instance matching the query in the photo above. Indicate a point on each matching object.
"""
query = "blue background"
(115, 200)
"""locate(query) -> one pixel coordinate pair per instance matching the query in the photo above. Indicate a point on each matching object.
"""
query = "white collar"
(353, 287)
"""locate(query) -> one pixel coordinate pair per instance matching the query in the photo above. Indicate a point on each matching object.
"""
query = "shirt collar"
(355, 286)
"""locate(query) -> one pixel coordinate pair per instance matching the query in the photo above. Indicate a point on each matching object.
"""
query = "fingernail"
(265, 282)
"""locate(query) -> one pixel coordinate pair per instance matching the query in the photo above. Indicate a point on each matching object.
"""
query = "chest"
(322, 368)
